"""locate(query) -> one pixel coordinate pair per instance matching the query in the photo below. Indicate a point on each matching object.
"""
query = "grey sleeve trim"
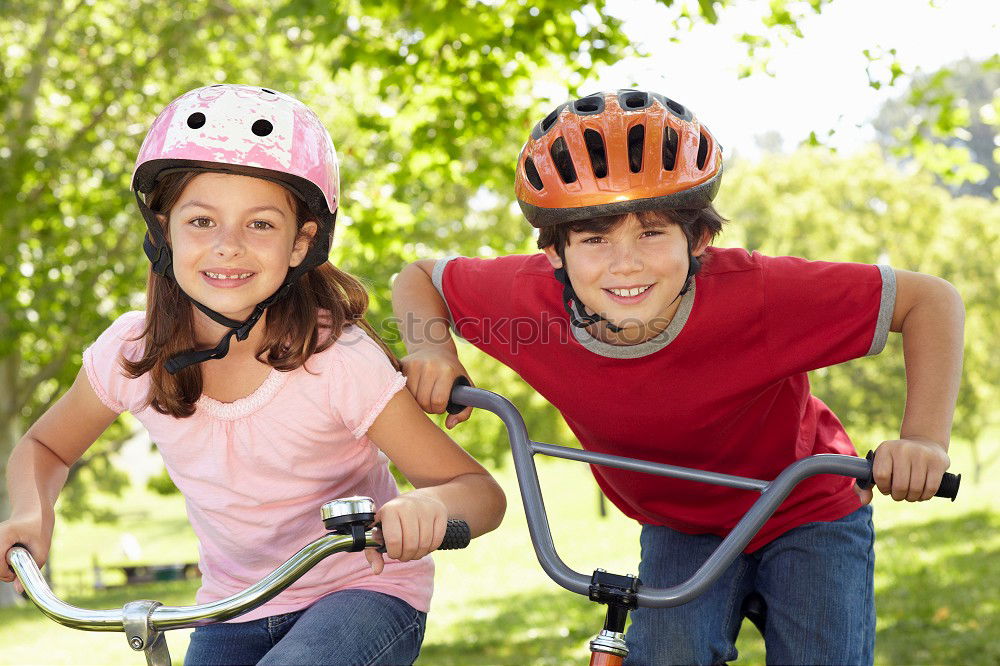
(437, 277)
(885, 310)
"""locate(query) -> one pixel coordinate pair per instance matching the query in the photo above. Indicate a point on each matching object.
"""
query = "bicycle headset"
(612, 153)
(243, 130)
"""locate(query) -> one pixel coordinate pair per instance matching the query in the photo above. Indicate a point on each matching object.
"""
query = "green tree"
(819, 205)
(948, 121)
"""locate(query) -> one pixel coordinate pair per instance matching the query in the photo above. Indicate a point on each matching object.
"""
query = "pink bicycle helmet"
(250, 131)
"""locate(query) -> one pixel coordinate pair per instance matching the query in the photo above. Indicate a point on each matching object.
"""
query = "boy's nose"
(626, 260)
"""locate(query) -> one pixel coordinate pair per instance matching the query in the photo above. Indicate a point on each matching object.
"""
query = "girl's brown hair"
(324, 300)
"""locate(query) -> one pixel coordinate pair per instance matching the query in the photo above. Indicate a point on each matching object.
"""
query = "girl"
(240, 190)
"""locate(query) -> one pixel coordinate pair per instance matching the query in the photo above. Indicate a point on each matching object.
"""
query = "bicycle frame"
(624, 593)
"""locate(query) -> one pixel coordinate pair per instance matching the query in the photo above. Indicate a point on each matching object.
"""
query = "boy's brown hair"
(324, 300)
(695, 223)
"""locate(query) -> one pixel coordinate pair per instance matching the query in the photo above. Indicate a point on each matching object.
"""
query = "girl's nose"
(229, 242)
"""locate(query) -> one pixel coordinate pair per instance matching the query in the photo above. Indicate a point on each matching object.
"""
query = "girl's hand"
(430, 374)
(413, 525)
(28, 533)
(909, 469)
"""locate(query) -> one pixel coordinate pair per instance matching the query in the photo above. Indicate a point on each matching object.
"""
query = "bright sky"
(820, 81)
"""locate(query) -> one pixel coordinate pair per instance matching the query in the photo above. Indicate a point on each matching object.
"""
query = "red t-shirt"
(722, 389)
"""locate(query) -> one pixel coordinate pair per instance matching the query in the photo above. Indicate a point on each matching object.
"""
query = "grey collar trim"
(648, 347)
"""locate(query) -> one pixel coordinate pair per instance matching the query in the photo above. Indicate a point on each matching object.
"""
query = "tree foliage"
(948, 122)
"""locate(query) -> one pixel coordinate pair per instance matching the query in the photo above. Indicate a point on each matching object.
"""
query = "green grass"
(936, 582)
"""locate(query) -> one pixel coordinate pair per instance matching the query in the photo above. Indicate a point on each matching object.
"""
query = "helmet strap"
(160, 256)
(574, 306)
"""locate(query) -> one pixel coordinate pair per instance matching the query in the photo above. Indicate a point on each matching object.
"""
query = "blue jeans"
(346, 627)
(817, 580)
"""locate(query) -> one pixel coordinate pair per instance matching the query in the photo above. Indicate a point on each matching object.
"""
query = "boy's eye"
(651, 233)
(593, 239)
(261, 224)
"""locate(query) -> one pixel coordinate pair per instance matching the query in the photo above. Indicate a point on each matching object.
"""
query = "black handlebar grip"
(456, 535)
(948, 488)
(455, 408)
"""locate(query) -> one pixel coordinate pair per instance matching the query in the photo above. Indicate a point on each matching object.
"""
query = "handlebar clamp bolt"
(135, 642)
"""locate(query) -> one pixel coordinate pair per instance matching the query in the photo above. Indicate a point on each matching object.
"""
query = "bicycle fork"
(619, 593)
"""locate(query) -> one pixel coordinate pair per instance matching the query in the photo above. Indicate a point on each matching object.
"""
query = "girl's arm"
(930, 315)
(448, 483)
(39, 465)
(432, 363)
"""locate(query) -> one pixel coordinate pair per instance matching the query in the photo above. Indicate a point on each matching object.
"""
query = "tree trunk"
(9, 427)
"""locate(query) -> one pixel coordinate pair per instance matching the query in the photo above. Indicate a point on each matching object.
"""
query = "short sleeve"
(475, 289)
(822, 313)
(102, 363)
(364, 381)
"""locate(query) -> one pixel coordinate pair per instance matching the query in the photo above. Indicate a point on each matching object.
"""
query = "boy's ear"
(702, 244)
(553, 256)
(302, 242)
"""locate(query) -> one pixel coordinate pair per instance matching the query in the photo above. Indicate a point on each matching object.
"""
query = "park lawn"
(936, 582)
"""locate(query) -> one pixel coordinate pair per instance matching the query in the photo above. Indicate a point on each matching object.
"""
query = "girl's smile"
(234, 239)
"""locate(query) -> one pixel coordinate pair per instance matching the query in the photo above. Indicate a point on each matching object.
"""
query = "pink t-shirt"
(255, 472)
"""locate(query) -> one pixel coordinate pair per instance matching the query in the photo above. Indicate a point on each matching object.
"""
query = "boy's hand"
(430, 374)
(413, 526)
(908, 469)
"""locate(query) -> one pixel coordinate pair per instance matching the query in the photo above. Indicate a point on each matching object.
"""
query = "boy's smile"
(631, 275)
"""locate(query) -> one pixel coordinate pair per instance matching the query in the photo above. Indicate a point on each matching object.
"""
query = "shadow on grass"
(938, 598)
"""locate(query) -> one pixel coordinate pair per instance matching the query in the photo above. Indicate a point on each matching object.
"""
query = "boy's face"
(630, 275)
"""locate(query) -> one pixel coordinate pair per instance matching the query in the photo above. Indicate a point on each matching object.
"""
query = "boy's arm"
(432, 363)
(930, 315)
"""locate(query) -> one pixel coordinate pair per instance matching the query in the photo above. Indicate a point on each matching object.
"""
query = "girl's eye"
(261, 224)
(201, 222)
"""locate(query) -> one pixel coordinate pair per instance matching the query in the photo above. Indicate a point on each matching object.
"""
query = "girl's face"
(630, 275)
(233, 240)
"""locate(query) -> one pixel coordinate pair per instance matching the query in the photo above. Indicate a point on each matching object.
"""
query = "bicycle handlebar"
(773, 494)
(162, 618)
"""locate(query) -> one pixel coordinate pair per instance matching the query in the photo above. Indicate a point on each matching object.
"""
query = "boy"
(655, 345)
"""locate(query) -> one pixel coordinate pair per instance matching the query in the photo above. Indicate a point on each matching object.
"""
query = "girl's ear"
(162, 219)
(553, 256)
(302, 242)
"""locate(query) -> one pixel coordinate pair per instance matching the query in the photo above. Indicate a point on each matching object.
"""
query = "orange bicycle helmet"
(612, 153)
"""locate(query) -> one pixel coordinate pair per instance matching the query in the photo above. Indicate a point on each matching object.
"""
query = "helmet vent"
(702, 150)
(532, 173)
(196, 120)
(563, 160)
(636, 137)
(678, 109)
(550, 119)
(669, 148)
(262, 127)
(589, 105)
(634, 100)
(598, 156)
